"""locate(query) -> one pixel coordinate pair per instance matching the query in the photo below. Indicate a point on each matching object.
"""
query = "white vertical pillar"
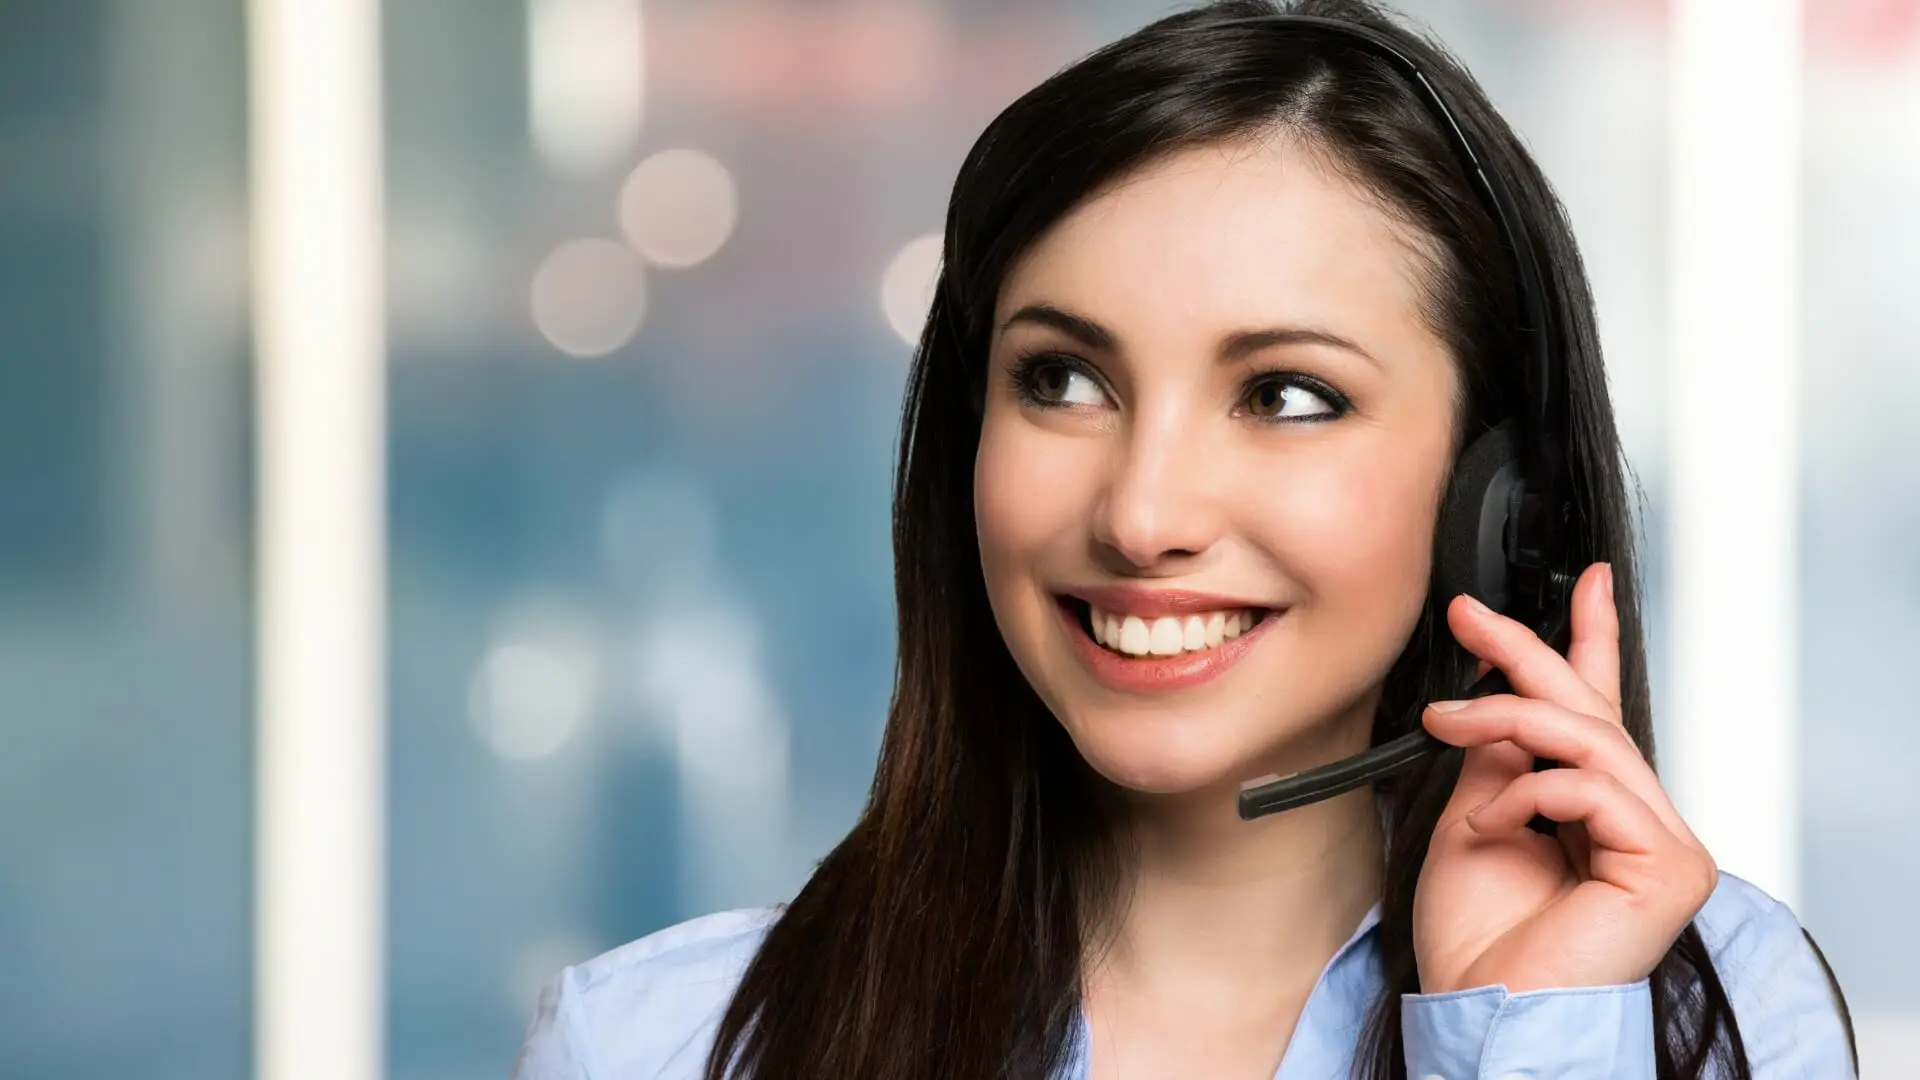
(314, 97)
(1733, 435)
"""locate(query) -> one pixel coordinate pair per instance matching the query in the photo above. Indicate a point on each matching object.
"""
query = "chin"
(1163, 754)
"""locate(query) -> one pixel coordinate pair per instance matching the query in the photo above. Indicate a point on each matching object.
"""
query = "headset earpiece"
(1470, 540)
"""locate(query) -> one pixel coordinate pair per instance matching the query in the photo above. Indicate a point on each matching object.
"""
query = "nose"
(1161, 503)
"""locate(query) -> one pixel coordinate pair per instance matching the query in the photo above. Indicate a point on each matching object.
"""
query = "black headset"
(1504, 530)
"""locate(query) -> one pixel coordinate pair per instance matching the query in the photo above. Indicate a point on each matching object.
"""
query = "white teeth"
(1168, 635)
(1166, 639)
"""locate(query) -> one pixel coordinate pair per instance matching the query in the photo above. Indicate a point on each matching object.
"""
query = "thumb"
(1485, 772)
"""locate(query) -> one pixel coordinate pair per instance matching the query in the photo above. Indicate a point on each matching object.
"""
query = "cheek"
(1358, 531)
(1024, 498)
(1029, 498)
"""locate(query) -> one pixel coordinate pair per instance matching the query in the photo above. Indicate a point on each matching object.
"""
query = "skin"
(1159, 466)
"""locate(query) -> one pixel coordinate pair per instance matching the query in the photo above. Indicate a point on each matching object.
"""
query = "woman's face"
(1213, 403)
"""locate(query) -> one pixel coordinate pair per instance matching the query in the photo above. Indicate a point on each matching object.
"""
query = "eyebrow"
(1233, 348)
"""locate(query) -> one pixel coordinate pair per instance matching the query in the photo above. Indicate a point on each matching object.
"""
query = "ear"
(1470, 538)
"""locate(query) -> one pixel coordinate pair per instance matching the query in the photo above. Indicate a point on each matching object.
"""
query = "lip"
(1160, 674)
(1153, 603)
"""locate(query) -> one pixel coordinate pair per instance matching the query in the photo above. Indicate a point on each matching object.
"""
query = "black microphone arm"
(1272, 794)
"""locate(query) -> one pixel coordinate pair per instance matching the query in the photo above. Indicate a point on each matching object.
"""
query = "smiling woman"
(1219, 309)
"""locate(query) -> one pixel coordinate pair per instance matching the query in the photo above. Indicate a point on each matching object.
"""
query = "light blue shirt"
(648, 1010)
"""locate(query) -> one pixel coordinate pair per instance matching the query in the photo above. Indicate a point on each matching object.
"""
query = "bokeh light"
(589, 297)
(906, 288)
(678, 207)
(537, 685)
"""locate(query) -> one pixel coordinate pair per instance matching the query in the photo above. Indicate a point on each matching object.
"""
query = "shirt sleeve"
(551, 1050)
(1590, 1033)
(1789, 1018)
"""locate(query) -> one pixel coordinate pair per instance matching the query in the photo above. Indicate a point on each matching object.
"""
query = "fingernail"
(1473, 814)
(1448, 706)
(1610, 581)
(1474, 604)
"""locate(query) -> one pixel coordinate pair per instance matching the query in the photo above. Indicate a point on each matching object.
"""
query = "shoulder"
(648, 1009)
(707, 954)
(1784, 999)
(1741, 923)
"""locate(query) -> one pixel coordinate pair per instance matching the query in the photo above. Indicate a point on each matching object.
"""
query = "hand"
(1602, 902)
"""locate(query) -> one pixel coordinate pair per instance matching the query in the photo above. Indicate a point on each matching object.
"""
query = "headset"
(1503, 535)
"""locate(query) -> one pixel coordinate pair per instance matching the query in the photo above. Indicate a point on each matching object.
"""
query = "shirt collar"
(1367, 922)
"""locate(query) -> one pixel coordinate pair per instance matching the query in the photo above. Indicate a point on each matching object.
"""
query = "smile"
(1168, 635)
(1141, 654)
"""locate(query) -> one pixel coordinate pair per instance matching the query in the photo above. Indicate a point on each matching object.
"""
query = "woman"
(1219, 311)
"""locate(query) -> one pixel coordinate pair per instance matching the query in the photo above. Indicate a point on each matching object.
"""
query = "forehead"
(1229, 235)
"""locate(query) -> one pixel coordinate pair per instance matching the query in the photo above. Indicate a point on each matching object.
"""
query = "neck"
(1239, 914)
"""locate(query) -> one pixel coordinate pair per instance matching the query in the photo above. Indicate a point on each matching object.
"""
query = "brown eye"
(1051, 381)
(1267, 400)
(1280, 399)
(1047, 382)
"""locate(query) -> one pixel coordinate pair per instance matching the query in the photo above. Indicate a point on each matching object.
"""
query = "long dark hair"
(943, 938)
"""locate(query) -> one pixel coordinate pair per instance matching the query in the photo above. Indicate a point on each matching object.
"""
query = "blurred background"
(650, 271)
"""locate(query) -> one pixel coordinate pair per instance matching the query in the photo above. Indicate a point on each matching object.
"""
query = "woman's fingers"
(1485, 771)
(1595, 649)
(1631, 847)
(1545, 729)
(1533, 668)
(1615, 817)
(1548, 729)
